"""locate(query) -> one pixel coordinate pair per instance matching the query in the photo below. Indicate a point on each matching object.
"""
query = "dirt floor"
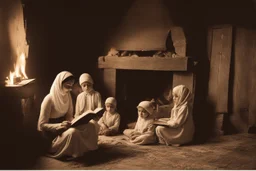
(116, 153)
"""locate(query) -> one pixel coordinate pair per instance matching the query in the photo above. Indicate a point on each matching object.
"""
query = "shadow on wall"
(5, 47)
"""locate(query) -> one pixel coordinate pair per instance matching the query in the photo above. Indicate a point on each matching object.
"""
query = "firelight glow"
(19, 72)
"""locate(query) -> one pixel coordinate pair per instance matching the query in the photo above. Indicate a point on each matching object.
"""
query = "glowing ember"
(19, 72)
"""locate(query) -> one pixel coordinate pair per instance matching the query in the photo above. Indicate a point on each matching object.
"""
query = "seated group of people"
(56, 115)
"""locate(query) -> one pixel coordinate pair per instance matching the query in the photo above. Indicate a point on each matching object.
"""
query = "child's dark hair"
(68, 79)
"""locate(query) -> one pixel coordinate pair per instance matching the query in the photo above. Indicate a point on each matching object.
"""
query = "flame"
(23, 65)
(19, 71)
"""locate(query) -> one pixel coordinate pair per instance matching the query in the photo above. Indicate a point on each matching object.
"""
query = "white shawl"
(62, 100)
(184, 96)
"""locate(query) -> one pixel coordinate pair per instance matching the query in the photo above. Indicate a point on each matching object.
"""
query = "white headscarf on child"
(111, 100)
(61, 99)
(183, 94)
(85, 77)
(147, 105)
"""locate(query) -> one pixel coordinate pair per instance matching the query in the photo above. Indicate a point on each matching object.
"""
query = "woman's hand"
(66, 124)
(60, 129)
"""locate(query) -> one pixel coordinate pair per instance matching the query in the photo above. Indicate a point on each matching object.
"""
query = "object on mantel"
(146, 63)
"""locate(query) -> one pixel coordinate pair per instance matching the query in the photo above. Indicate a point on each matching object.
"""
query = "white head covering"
(85, 77)
(183, 94)
(61, 99)
(147, 105)
(111, 100)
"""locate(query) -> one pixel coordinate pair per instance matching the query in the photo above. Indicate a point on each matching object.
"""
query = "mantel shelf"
(145, 63)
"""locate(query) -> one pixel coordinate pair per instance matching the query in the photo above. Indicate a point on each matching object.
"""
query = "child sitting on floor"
(110, 121)
(180, 129)
(144, 131)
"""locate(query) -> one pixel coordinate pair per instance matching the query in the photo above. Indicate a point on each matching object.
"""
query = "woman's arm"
(43, 122)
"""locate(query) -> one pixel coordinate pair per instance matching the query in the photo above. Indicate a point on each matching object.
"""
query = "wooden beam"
(109, 79)
(145, 63)
(220, 58)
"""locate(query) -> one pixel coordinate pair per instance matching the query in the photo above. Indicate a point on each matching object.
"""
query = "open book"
(161, 121)
(87, 116)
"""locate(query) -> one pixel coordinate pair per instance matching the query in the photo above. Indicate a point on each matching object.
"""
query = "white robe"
(74, 141)
(112, 121)
(144, 130)
(181, 129)
(87, 101)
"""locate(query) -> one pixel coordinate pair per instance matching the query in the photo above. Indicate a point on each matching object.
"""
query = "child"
(89, 99)
(110, 121)
(181, 125)
(144, 131)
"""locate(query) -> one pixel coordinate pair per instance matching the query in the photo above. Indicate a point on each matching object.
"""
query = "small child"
(180, 129)
(110, 121)
(89, 99)
(144, 131)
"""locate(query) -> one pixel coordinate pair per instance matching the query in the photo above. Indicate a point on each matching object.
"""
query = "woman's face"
(110, 108)
(68, 85)
(142, 112)
(86, 86)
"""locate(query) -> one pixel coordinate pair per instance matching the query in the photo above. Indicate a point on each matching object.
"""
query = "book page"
(97, 109)
(81, 116)
(87, 116)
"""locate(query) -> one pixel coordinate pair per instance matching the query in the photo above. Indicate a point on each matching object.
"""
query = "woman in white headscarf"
(89, 99)
(54, 121)
(180, 129)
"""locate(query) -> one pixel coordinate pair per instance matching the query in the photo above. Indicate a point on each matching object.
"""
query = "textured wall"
(12, 35)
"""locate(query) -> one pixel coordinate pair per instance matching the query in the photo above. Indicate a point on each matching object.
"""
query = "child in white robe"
(110, 121)
(54, 122)
(144, 131)
(181, 125)
(89, 99)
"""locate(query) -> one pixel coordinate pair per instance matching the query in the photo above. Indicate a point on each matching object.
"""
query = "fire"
(19, 72)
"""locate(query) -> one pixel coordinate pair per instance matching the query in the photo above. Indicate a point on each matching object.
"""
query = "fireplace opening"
(134, 86)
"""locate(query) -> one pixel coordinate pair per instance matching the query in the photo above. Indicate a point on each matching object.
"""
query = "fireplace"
(133, 79)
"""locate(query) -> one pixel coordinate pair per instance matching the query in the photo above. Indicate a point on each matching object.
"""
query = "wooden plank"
(109, 80)
(219, 68)
(242, 59)
(144, 63)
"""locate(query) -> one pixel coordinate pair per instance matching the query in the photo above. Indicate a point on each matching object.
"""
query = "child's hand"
(104, 126)
(134, 134)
